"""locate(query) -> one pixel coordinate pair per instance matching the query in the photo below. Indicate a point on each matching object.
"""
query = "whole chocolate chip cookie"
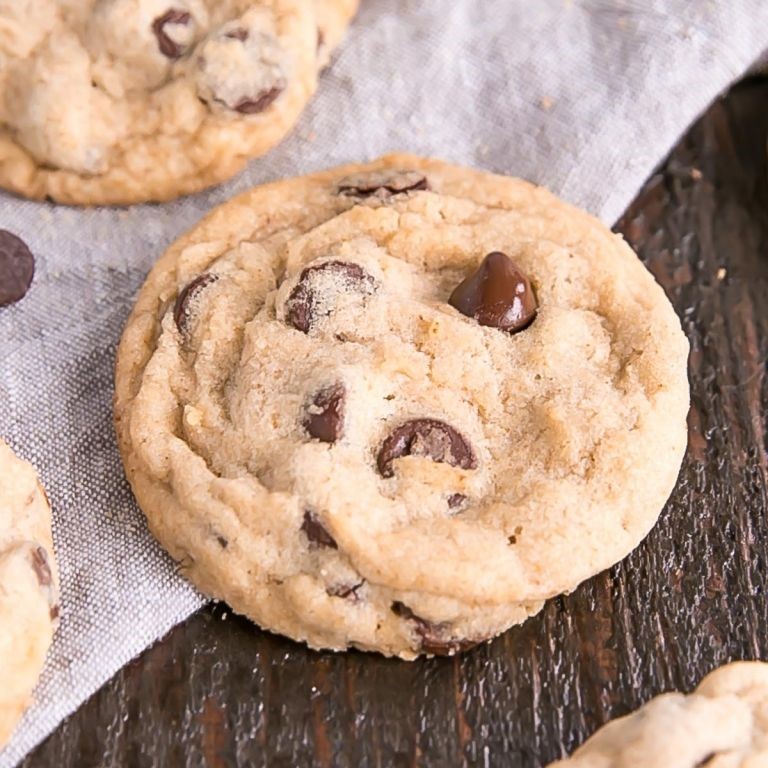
(722, 724)
(123, 101)
(396, 406)
(28, 586)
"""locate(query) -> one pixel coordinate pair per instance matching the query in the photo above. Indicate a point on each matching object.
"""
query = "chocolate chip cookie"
(722, 724)
(123, 101)
(396, 406)
(28, 586)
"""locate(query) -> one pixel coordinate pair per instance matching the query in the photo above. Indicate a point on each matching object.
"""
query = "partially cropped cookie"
(122, 101)
(722, 724)
(28, 586)
(396, 406)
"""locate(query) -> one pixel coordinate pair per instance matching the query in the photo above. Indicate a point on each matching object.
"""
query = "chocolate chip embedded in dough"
(254, 105)
(169, 47)
(382, 184)
(242, 70)
(302, 305)
(324, 416)
(41, 566)
(432, 636)
(316, 532)
(430, 438)
(497, 294)
(186, 300)
(346, 591)
(17, 268)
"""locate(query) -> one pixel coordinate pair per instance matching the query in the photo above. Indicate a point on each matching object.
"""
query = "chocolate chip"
(260, 103)
(456, 500)
(432, 636)
(223, 543)
(237, 34)
(182, 310)
(497, 294)
(167, 46)
(42, 569)
(316, 533)
(242, 69)
(54, 612)
(17, 267)
(324, 418)
(430, 438)
(704, 761)
(382, 184)
(346, 591)
(302, 305)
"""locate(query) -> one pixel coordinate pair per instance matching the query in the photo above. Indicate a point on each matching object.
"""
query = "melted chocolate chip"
(497, 294)
(324, 418)
(382, 184)
(346, 591)
(260, 103)
(17, 267)
(301, 306)
(42, 569)
(182, 310)
(167, 46)
(430, 438)
(316, 533)
(432, 635)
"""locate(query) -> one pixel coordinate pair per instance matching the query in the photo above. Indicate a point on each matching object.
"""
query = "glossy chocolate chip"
(346, 591)
(433, 636)
(168, 47)
(316, 533)
(324, 417)
(41, 567)
(301, 306)
(182, 310)
(382, 184)
(430, 438)
(497, 294)
(17, 268)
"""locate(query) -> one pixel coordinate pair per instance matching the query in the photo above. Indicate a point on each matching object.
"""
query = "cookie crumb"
(696, 174)
(546, 103)
(721, 273)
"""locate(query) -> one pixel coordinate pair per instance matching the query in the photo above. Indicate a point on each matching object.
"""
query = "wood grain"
(218, 692)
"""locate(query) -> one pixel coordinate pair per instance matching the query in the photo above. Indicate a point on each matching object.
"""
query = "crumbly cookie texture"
(722, 724)
(397, 405)
(29, 606)
(123, 101)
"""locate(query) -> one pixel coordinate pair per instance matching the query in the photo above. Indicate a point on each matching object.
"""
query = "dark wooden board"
(219, 692)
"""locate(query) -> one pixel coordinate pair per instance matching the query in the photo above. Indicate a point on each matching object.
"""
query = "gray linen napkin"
(584, 96)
